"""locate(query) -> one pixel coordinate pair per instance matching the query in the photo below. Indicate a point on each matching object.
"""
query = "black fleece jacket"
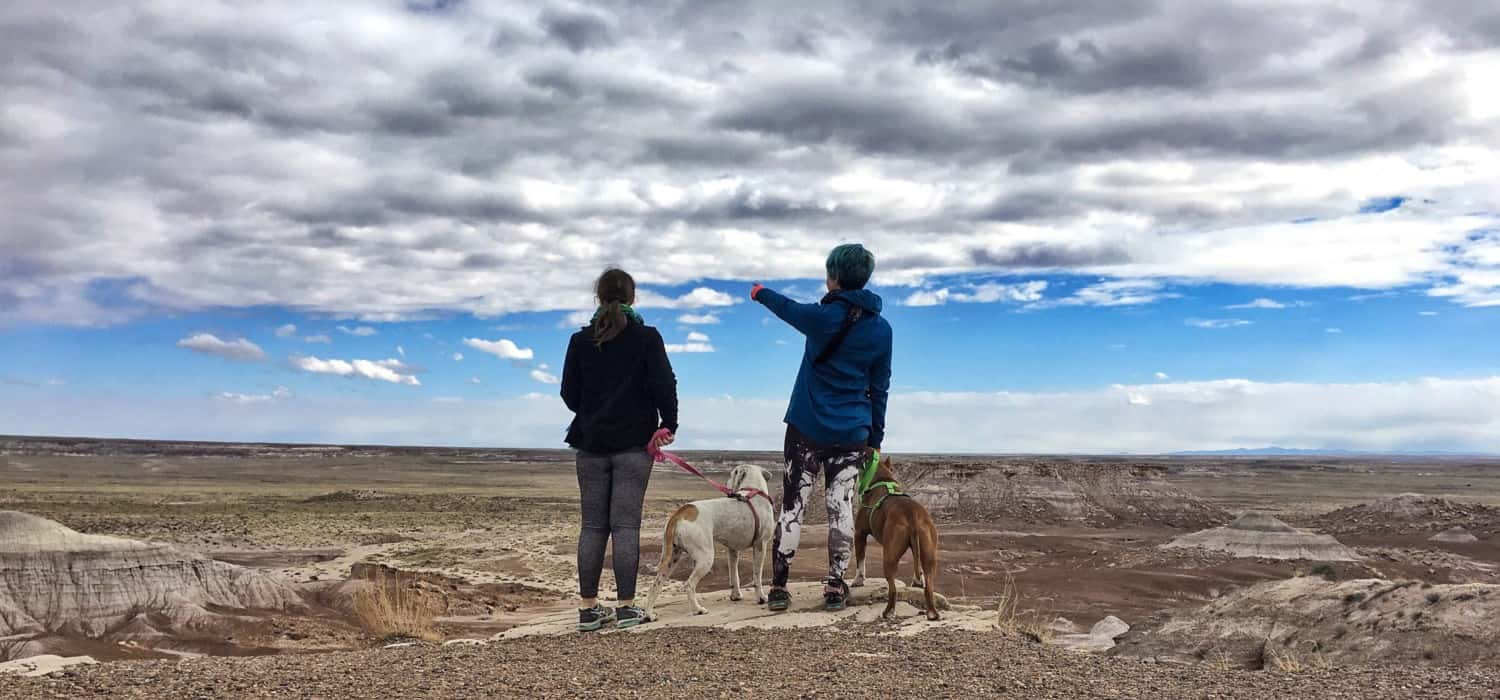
(620, 393)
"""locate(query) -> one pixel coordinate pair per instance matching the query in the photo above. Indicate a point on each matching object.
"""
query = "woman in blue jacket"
(836, 414)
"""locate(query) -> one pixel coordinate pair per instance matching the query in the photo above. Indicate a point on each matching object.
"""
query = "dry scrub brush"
(1009, 619)
(388, 611)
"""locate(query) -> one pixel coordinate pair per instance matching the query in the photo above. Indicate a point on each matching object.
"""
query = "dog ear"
(737, 477)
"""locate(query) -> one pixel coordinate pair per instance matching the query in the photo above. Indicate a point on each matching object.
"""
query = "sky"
(1137, 226)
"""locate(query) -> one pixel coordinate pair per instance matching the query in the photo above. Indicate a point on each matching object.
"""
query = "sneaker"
(778, 600)
(591, 619)
(629, 616)
(836, 599)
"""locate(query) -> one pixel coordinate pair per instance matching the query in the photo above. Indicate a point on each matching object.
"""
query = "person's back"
(836, 414)
(618, 388)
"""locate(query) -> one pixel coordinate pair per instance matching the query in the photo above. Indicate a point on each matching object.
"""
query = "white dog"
(696, 528)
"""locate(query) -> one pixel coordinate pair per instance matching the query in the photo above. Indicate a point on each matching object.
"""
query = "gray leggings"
(612, 490)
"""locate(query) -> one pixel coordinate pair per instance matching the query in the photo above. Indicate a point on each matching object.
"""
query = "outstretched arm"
(880, 391)
(803, 317)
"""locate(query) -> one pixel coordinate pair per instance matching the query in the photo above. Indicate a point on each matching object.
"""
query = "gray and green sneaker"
(629, 616)
(779, 600)
(591, 619)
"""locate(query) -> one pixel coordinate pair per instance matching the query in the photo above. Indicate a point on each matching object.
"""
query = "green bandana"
(629, 313)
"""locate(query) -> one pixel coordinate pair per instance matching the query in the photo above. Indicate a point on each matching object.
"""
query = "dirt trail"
(852, 662)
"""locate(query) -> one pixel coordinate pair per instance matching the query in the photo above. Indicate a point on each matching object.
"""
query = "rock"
(1454, 535)
(55, 582)
(1259, 535)
(1101, 637)
(42, 665)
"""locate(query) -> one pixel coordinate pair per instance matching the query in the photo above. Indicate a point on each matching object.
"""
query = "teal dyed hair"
(851, 265)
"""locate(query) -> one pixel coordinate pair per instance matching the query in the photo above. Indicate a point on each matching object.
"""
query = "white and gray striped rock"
(1257, 535)
(58, 583)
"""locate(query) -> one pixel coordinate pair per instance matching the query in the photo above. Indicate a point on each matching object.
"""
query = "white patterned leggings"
(840, 468)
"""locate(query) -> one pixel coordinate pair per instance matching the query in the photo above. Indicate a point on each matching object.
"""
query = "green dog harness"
(867, 483)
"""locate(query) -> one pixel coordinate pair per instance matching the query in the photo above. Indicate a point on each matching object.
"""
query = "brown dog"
(899, 523)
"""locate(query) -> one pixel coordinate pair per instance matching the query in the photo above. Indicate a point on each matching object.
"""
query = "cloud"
(392, 370)
(474, 380)
(1260, 303)
(696, 342)
(698, 298)
(1414, 414)
(361, 331)
(280, 393)
(1115, 293)
(401, 351)
(320, 338)
(544, 376)
(241, 349)
(707, 319)
(1427, 313)
(458, 357)
(251, 164)
(577, 319)
(1162, 376)
(286, 331)
(986, 293)
(1217, 322)
(502, 348)
(1333, 331)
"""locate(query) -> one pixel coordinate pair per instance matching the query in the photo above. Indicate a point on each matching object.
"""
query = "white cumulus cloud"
(361, 331)
(503, 348)
(240, 349)
(543, 376)
(704, 319)
(286, 331)
(391, 370)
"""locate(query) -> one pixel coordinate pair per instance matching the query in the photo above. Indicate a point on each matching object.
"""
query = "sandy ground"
(496, 531)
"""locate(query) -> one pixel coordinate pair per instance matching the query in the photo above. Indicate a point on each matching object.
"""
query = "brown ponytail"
(615, 290)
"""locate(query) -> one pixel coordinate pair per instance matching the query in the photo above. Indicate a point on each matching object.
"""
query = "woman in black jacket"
(620, 386)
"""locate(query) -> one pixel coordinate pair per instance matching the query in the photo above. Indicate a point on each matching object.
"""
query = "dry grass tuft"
(390, 611)
(1220, 661)
(1009, 620)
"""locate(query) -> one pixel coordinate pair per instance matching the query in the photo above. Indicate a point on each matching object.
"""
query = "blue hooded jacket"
(841, 401)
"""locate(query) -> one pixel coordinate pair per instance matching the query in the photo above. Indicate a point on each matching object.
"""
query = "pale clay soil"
(506, 526)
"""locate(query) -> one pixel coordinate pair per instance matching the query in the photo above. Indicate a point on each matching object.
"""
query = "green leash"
(867, 483)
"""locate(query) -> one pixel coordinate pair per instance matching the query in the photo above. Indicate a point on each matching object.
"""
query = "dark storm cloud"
(579, 31)
(236, 153)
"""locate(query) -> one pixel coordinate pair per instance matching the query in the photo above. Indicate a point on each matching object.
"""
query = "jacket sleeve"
(880, 391)
(571, 382)
(661, 380)
(803, 317)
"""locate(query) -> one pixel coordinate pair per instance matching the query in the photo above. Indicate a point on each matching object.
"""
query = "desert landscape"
(136, 569)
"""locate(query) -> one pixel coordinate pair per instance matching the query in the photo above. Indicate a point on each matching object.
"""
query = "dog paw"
(934, 616)
(918, 583)
(702, 611)
(857, 583)
(760, 600)
(735, 596)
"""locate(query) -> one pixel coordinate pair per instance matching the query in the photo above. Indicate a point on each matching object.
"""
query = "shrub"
(1009, 620)
(1354, 597)
(1433, 598)
(390, 611)
(1326, 571)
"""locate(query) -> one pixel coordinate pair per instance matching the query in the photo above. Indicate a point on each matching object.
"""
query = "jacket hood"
(863, 298)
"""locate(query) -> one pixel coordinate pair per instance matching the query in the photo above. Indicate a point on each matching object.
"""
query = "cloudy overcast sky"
(1101, 226)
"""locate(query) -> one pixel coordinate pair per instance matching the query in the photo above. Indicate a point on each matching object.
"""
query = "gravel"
(847, 662)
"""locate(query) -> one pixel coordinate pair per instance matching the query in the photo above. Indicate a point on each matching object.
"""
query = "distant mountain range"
(1295, 452)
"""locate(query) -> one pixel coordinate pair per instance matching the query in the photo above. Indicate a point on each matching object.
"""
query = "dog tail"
(669, 551)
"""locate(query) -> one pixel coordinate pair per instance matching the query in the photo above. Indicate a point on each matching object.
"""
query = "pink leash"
(743, 494)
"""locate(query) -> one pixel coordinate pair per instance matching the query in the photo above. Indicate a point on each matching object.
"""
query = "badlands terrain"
(171, 563)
